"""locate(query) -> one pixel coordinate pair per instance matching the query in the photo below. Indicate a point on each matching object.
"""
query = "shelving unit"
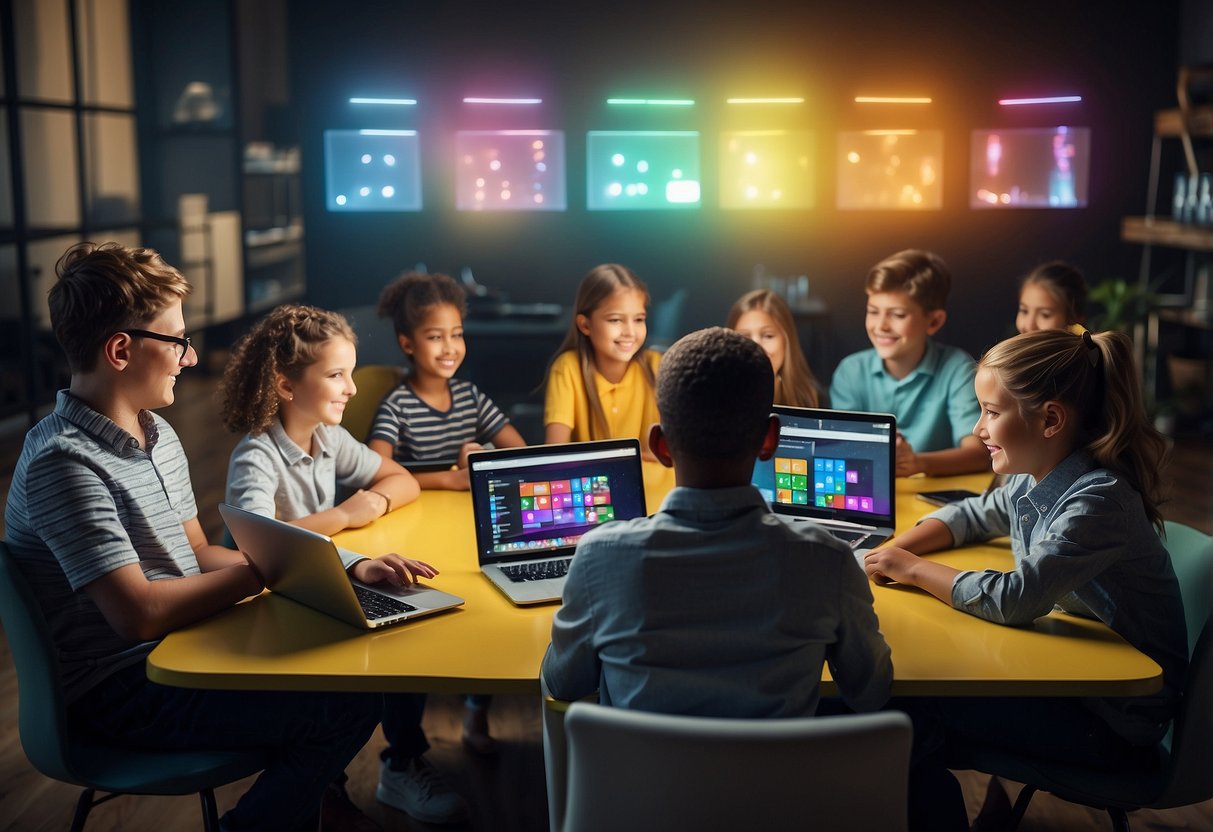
(222, 146)
(1191, 306)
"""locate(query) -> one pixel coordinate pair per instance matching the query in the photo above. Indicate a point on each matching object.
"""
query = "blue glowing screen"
(642, 170)
(372, 170)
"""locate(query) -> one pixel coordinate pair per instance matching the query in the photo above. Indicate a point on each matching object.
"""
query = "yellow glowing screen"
(890, 170)
(767, 169)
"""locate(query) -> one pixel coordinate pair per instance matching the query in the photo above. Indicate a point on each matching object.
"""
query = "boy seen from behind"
(927, 386)
(714, 606)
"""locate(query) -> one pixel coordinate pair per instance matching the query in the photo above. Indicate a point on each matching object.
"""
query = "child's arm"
(899, 561)
(508, 437)
(210, 557)
(890, 564)
(143, 610)
(557, 434)
(969, 457)
(381, 447)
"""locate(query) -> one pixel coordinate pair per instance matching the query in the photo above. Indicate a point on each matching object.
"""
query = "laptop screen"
(832, 465)
(531, 501)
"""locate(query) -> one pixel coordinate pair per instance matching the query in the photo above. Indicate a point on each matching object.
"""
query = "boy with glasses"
(102, 521)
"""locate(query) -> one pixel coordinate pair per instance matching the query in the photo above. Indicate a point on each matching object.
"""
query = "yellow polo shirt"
(630, 406)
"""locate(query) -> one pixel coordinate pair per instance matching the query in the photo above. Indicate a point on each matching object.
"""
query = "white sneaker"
(420, 793)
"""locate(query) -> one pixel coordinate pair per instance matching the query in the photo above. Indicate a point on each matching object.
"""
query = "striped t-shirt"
(86, 500)
(419, 432)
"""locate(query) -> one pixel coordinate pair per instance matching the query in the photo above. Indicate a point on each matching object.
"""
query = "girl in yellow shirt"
(600, 385)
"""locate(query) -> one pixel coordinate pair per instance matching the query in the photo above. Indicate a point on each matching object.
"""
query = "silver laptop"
(531, 505)
(306, 567)
(834, 468)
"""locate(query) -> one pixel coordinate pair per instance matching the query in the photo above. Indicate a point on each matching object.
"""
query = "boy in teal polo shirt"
(927, 386)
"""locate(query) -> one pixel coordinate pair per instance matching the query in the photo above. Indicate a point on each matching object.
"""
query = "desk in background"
(490, 646)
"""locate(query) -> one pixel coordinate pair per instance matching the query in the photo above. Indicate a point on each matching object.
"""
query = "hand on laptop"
(392, 569)
(467, 448)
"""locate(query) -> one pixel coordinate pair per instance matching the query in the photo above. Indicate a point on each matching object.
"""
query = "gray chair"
(1184, 772)
(99, 765)
(633, 770)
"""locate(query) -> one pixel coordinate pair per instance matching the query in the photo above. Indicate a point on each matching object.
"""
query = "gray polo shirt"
(86, 500)
(269, 474)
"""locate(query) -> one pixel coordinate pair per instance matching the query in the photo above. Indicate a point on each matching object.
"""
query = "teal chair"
(1183, 774)
(97, 765)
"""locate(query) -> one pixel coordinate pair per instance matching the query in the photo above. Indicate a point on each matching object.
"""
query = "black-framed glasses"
(183, 344)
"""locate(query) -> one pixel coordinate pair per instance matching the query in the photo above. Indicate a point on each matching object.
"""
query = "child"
(641, 621)
(1062, 412)
(1051, 296)
(433, 415)
(600, 383)
(101, 518)
(286, 386)
(764, 317)
(927, 386)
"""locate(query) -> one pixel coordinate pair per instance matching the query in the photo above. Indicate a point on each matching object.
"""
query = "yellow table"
(491, 646)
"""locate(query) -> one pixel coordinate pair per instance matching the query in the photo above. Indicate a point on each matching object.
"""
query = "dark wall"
(1120, 57)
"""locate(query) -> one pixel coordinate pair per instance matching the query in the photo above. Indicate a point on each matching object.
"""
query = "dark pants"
(406, 741)
(310, 737)
(946, 728)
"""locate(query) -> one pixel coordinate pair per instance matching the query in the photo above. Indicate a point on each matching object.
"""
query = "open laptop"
(531, 505)
(834, 468)
(306, 567)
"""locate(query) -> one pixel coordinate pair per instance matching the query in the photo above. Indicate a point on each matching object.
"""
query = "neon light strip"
(393, 102)
(387, 132)
(764, 100)
(503, 101)
(757, 132)
(890, 132)
(654, 102)
(506, 132)
(1059, 99)
(880, 99)
(644, 133)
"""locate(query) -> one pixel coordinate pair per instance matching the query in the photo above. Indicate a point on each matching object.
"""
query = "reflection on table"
(491, 646)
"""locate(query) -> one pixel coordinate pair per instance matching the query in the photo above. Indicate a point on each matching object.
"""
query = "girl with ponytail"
(1062, 418)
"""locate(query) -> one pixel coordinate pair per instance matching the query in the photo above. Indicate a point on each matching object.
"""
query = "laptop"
(834, 468)
(305, 567)
(531, 505)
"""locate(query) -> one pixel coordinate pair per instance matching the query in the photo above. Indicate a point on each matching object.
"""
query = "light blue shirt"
(1082, 541)
(269, 474)
(935, 404)
(86, 500)
(715, 606)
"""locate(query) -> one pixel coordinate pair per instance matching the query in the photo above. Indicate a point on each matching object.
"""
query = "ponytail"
(1095, 376)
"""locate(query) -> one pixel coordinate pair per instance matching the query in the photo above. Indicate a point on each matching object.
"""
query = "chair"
(373, 381)
(634, 770)
(99, 766)
(665, 321)
(1185, 773)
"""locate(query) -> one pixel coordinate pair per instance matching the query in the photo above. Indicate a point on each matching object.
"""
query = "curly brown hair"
(284, 342)
(408, 298)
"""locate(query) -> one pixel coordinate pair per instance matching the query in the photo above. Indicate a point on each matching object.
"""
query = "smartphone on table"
(947, 495)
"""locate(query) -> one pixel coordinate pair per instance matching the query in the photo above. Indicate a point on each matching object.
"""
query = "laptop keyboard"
(377, 605)
(539, 571)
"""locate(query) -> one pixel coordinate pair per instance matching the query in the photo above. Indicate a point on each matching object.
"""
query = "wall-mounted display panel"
(642, 170)
(890, 170)
(510, 170)
(1044, 167)
(372, 170)
(767, 169)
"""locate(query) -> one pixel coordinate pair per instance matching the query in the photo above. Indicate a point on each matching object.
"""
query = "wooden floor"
(506, 792)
